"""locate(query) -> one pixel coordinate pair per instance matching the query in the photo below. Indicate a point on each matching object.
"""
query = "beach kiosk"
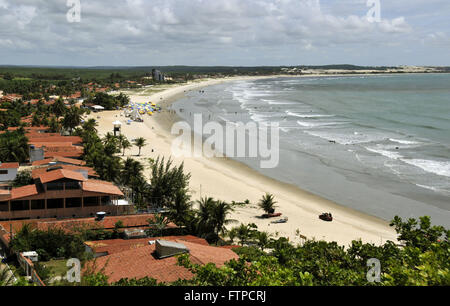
(117, 127)
(98, 108)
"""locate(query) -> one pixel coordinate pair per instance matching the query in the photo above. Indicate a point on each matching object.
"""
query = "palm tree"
(59, 108)
(72, 118)
(243, 233)
(111, 143)
(181, 209)
(159, 222)
(124, 143)
(14, 146)
(219, 213)
(263, 239)
(232, 234)
(267, 203)
(140, 143)
(212, 217)
(131, 169)
(204, 210)
(90, 126)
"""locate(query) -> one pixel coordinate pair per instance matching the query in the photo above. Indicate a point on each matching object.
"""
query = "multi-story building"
(61, 193)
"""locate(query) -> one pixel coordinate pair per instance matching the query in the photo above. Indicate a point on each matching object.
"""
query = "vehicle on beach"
(284, 220)
(326, 217)
(271, 215)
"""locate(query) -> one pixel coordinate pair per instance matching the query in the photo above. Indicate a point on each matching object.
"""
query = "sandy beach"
(225, 179)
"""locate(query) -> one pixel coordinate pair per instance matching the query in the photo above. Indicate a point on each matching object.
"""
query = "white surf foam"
(441, 168)
(388, 154)
(406, 142)
(289, 113)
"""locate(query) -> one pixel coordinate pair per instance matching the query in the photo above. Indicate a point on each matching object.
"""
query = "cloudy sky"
(224, 32)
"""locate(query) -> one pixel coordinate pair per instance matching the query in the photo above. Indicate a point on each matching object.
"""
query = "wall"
(12, 173)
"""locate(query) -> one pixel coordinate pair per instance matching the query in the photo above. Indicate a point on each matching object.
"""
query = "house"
(157, 259)
(8, 171)
(61, 193)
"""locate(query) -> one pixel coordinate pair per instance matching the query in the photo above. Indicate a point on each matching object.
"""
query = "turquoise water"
(379, 144)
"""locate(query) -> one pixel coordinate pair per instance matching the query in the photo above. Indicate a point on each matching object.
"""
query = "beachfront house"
(61, 193)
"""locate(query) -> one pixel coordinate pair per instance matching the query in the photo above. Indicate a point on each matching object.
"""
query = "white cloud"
(182, 29)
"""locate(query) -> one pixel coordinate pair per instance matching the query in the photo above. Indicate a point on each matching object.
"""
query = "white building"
(8, 171)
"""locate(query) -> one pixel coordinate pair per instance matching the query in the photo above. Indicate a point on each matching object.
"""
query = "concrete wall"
(12, 173)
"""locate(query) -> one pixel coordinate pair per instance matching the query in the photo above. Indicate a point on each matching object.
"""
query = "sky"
(224, 32)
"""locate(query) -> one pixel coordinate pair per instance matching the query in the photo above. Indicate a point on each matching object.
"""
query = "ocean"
(379, 144)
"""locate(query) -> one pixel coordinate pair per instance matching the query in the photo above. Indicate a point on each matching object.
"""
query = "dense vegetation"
(422, 261)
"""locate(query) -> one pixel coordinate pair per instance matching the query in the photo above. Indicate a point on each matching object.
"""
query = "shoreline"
(209, 176)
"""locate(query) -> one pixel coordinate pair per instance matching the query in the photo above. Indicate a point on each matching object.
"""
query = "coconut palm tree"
(267, 203)
(140, 143)
(131, 169)
(181, 208)
(219, 213)
(72, 118)
(243, 233)
(90, 126)
(159, 223)
(124, 143)
(263, 239)
(212, 217)
(204, 215)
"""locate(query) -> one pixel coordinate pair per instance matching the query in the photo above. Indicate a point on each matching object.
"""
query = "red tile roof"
(61, 174)
(141, 262)
(47, 138)
(39, 171)
(64, 151)
(30, 128)
(101, 187)
(119, 245)
(59, 159)
(9, 165)
(22, 192)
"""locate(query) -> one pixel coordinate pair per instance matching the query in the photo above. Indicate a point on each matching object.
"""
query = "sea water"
(379, 144)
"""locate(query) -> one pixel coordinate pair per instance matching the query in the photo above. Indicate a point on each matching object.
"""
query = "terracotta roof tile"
(141, 262)
(36, 173)
(60, 159)
(64, 151)
(119, 245)
(22, 192)
(101, 187)
(61, 174)
(9, 165)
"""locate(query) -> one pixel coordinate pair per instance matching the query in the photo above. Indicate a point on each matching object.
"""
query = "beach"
(229, 180)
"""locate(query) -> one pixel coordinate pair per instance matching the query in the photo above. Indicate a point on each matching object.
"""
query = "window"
(20, 205)
(3, 171)
(55, 203)
(105, 200)
(3, 206)
(37, 204)
(73, 202)
(91, 201)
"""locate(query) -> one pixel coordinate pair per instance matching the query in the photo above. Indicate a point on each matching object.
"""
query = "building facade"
(61, 193)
